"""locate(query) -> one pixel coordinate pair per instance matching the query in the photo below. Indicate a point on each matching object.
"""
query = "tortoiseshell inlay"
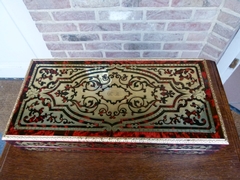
(115, 97)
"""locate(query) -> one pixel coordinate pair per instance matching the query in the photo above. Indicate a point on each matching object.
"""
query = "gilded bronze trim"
(117, 140)
(216, 102)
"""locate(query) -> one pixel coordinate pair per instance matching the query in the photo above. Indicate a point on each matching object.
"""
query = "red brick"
(163, 37)
(223, 31)
(190, 54)
(85, 54)
(168, 14)
(145, 3)
(161, 54)
(121, 37)
(201, 36)
(50, 37)
(58, 54)
(79, 37)
(182, 46)
(49, 4)
(149, 26)
(103, 46)
(120, 15)
(205, 14)
(64, 46)
(53, 27)
(73, 15)
(206, 56)
(217, 41)
(188, 26)
(122, 54)
(233, 5)
(142, 46)
(94, 3)
(99, 27)
(212, 51)
(196, 3)
(40, 16)
(229, 19)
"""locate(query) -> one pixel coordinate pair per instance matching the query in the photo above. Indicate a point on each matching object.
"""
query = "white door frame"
(21, 42)
(232, 52)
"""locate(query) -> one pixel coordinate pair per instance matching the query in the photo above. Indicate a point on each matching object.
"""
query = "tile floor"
(9, 89)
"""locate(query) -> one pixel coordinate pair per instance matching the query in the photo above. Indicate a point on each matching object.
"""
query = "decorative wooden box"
(162, 106)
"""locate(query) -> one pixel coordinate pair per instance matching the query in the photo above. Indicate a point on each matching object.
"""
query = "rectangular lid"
(155, 101)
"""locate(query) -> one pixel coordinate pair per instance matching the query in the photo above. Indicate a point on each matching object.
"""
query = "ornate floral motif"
(118, 147)
(32, 93)
(116, 98)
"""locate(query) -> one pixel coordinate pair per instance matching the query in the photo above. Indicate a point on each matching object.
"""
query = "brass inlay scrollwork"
(116, 97)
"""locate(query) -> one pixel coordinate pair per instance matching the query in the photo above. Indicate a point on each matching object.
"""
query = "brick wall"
(136, 28)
